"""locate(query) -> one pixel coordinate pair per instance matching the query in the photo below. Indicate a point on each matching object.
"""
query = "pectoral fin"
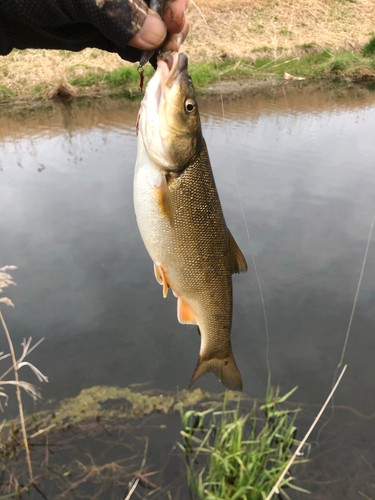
(237, 260)
(164, 198)
(185, 314)
(161, 278)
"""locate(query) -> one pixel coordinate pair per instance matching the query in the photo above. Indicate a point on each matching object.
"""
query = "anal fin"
(185, 314)
(238, 262)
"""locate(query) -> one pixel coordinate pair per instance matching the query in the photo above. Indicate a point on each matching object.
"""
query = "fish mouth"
(170, 73)
(171, 67)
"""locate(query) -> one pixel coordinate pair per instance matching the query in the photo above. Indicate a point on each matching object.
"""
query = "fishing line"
(297, 452)
(349, 325)
(241, 206)
(258, 280)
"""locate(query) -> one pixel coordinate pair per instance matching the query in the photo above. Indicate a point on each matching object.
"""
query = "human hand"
(123, 26)
(174, 25)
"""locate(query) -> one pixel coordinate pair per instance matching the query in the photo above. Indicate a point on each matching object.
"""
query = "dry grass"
(33, 68)
(240, 28)
(237, 28)
(6, 280)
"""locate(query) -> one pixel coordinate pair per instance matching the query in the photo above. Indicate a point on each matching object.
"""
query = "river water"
(304, 163)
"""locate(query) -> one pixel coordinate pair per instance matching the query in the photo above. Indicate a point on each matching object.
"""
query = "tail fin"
(225, 370)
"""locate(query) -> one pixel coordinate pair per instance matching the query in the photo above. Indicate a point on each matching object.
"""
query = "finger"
(152, 33)
(185, 30)
(173, 42)
(174, 15)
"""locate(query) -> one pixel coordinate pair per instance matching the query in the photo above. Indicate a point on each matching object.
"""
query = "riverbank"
(246, 40)
(106, 438)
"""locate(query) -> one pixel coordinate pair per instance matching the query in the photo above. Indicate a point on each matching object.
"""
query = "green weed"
(323, 64)
(309, 45)
(232, 456)
(264, 48)
(204, 73)
(127, 75)
(5, 91)
(337, 66)
(38, 90)
(285, 32)
(369, 47)
(65, 54)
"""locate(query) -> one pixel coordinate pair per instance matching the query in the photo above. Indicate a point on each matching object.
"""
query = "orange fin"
(237, 260)
(161, 278)
(184, 314)
(225, 370)
(164, 198)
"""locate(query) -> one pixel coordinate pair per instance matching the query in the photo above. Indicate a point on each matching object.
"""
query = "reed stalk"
(19, 398)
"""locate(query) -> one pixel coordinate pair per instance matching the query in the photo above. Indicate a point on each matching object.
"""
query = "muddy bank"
(335, 89)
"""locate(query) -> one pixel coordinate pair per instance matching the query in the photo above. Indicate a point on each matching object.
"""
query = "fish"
(180, 217)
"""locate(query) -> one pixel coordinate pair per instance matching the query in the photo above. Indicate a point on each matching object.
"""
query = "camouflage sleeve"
(71, 25)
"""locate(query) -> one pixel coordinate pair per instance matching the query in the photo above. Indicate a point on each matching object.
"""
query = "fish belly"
(153, 225)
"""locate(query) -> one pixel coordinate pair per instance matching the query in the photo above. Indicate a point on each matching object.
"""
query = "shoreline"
(241, 41)
(224, 91)
(226, 78)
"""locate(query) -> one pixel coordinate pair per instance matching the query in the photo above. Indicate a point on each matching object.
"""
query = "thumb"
(152, 33)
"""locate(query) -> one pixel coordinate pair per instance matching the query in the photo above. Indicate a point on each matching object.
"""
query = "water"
(304, 162)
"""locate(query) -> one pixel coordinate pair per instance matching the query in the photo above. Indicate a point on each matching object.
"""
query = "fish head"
(169, 122)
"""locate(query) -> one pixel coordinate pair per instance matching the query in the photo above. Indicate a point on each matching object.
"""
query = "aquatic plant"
(234, 456)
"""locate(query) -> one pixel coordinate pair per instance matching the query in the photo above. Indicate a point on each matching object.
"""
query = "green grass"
(65, 54)
(369, 48)
(128, 76)
(5, 91)
(125, 81)
(309, 45)
(263, 48)
(323, 64)
(285, 32)
(232, 456)
(39, 89)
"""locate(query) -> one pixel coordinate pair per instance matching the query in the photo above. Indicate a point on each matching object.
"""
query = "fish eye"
(190, 105)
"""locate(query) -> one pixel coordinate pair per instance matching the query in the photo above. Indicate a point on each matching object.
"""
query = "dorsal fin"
(238, 262)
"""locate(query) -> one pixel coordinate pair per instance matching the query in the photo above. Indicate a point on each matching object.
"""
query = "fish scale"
(180, 217)
(201, 262)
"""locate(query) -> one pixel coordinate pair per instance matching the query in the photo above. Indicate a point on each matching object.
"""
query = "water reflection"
(304, 163)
